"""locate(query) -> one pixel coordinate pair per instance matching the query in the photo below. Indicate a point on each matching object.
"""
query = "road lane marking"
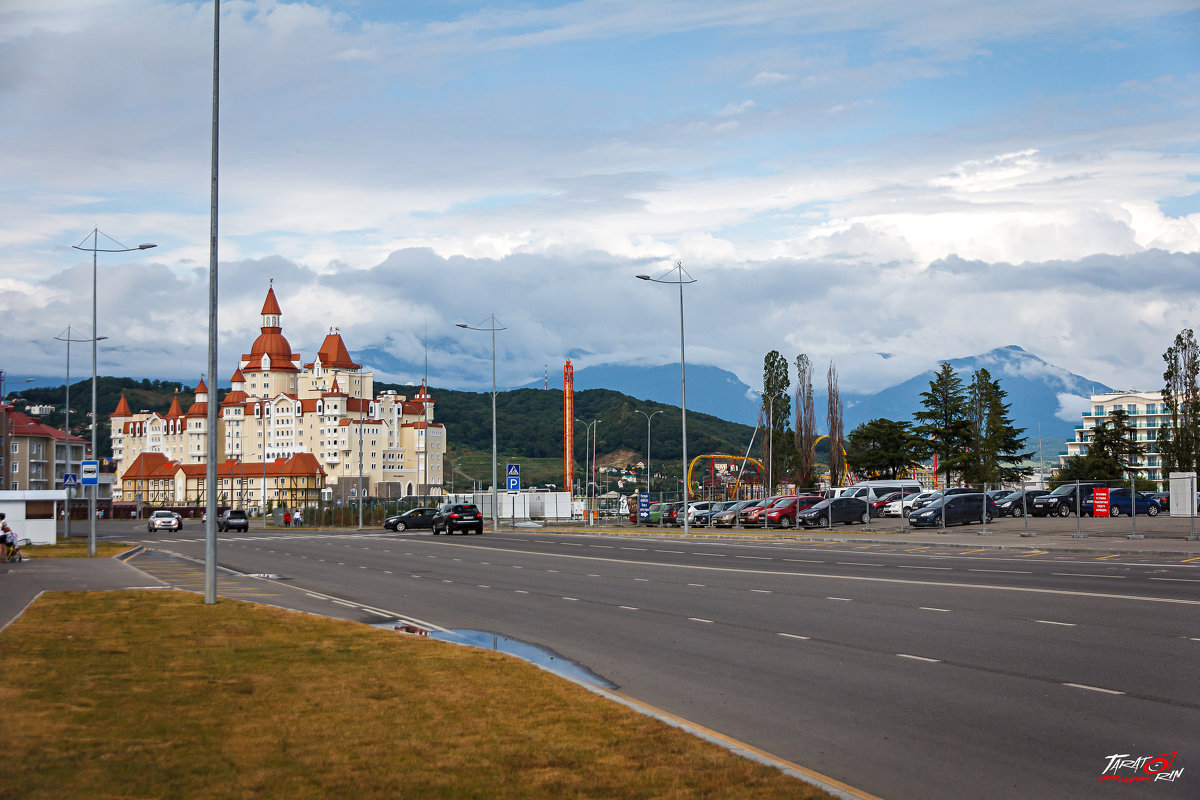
(843, 599)
(699, 585)
(977, 550)
(679, 552)
(1186, 560)
(756, 558)
(701, 619)
(931, 608)
(804, 561)
(856, 564)
(1052, 622)
(520, 591)
(628, 608)
(642, 580)
(344, 603)
(573, 599)
(920, 658)
(761, 591)
(1092, 688)
(1086, 575)
(912, 566)
(1180, 580)
(795, 636)
(1005, 571)
(1035, 553)
(1103, 558)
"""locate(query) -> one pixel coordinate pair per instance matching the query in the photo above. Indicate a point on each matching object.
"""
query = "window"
(16, 447)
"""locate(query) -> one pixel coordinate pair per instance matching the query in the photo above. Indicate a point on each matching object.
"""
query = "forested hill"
(528, 421)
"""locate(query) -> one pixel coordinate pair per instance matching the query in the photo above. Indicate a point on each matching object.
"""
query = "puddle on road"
(534, 654)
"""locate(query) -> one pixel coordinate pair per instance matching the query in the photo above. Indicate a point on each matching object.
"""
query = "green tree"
(837, 459)
(881, 448)
(1179, 438)
(944, 424)
(778, 448)
(996, 446)
(806, 424)
(1113, 447)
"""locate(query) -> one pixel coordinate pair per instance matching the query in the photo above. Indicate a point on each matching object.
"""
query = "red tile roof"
(122, 408)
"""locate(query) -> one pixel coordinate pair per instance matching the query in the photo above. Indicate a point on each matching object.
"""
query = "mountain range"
(1040, 393)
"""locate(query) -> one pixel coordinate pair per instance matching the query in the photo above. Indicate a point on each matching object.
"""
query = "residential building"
(39, 454)
(1146, 413)
(279, 408)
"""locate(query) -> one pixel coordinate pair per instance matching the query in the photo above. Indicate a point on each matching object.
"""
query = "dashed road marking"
(919, 658)
(1093, 688)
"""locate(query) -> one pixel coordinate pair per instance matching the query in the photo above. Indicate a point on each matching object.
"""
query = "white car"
(164, 521)
(699, 506)
(901, 507)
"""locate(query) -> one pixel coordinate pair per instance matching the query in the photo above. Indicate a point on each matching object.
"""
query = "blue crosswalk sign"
(514, 477)
(70, 479)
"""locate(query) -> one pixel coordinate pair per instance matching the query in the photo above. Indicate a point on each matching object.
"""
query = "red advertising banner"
(1100, 502)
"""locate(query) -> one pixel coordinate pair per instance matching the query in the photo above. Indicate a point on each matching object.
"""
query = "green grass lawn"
(139, 694)
(74, 548)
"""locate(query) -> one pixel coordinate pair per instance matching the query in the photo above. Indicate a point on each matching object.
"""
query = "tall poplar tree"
(1179, 437)
(837, 458)
(944, 424)
(806, 424)
(777, 444)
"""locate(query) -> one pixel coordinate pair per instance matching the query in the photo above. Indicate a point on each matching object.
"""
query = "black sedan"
(959, 509)
(1018, 503)
(413, 518)
(847, 510)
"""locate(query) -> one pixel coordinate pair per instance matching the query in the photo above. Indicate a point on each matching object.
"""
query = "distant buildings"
(1146, 412)
(289, 433)
(38, 454)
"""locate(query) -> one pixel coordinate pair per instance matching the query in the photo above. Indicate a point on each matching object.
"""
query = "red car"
(783, 513)
(878, 503)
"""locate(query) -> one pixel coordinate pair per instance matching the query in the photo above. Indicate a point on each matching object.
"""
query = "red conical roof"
(122, 408)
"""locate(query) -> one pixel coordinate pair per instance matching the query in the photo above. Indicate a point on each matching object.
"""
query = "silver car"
(164, 521)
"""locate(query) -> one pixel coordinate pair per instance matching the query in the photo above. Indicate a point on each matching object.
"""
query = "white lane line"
(920, 658)
(698, 585)
(344, 603)
(628, 608)
(680, 552)
(573, 599)
(857, 564)
(755, 558)
(642, 580)
(1180, 580)
(1093, 688)
(1086, 575)
(1005, 571)
(551, 570)
(804, 561)
(602, 546)
(762, 591)
(714, 555)
(520, 591)
(907, 566)
(1052, 622)
(638, 549)
(388, 572)
(483, 586)
(794, 636)
(1194, 638)
(314, 596)
(571, 544)
(445, 580)
(844, 599)
(515, 566)
(931, 608)
(378, 613)
(700, 619)
(593, 575)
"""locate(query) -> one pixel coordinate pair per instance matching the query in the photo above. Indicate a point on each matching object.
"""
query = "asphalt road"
(907, 671)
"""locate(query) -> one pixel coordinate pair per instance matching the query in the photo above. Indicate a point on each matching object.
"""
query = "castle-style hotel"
(290, 434)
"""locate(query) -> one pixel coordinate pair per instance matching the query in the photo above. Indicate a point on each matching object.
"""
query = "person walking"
(287, 519)
(8, 541)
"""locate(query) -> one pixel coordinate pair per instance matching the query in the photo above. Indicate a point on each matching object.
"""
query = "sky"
(879, 185)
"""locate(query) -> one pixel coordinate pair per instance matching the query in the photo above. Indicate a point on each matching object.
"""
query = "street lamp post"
(96, 248)
(680, 272)
(589, 446)
(493, 326)
(648, 418)
(68, 338)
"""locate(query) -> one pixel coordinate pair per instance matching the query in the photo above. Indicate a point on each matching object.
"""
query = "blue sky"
(930, 179)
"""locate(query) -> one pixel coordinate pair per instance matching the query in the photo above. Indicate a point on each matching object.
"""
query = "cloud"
(1071, 406)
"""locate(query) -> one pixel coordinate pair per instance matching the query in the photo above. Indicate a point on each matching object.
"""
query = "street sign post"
(643, 507)
(513, 474)
(89, 473)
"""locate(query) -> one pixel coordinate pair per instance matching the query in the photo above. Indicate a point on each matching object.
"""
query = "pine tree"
(944, 425)
(996, 446)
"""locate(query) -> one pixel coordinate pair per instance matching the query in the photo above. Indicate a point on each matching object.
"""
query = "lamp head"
(146, 246)
(643, 277)
(462, 325)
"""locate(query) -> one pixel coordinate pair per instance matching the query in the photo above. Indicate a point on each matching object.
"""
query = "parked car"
(958, 509)
(453, 517)
(164, 521)
(1062, 501)
(698, 507)
(729, 517)
(670, 513)
(783, 513)
(655, 513)
(846, 510)
(752, 515)
(1018, 503)
(901, 507)
(1118, 504)
(233, 519)
(919, 504)
(413, 518)
(879, 503)
(705, 518)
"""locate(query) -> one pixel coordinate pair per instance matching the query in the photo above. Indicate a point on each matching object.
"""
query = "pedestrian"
(287, 519)
(8, 542)
(298, 520)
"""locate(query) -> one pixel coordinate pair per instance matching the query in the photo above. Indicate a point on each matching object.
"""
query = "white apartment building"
(1146, 412)
(280, 407)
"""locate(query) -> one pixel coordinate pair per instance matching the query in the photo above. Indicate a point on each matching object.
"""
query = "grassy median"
(74, 548)
(155, 695)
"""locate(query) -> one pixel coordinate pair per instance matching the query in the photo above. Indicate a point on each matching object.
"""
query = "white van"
(873, 490)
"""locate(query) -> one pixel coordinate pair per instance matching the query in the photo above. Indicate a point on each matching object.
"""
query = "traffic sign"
(70, 479)
(643, 506)
(514, 477)
(89, 473)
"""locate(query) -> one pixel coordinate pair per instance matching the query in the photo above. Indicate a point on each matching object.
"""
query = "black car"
(233, 519)
(919, 504)
(847, 510)
(1063, 501)
(959, 509)
(413, 518)
(454, 517)
(670, 513)
(1018, 503)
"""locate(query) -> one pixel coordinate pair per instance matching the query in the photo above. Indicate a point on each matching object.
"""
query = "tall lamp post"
(680, 272)
(68, 338)
(493, 326)
(589, 452)
(94, 249)
(648, 418)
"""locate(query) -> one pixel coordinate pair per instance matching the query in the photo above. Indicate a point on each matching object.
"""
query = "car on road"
(847, 510)
(1063, 501)
(1018, 503)
(411, 519)
(959, 509)
(164, 521)
(233, 519)
(455, 517)
(1118, 504)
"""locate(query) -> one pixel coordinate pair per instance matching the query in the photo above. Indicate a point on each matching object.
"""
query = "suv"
(164, 521)
(233, 519)
(1062, 500)
(453, 517)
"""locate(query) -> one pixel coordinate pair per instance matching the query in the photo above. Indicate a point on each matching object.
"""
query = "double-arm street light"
(96, 248)
(680, 272)
(589, 451)
(68, 338)
(493, 326)
(648, 418)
